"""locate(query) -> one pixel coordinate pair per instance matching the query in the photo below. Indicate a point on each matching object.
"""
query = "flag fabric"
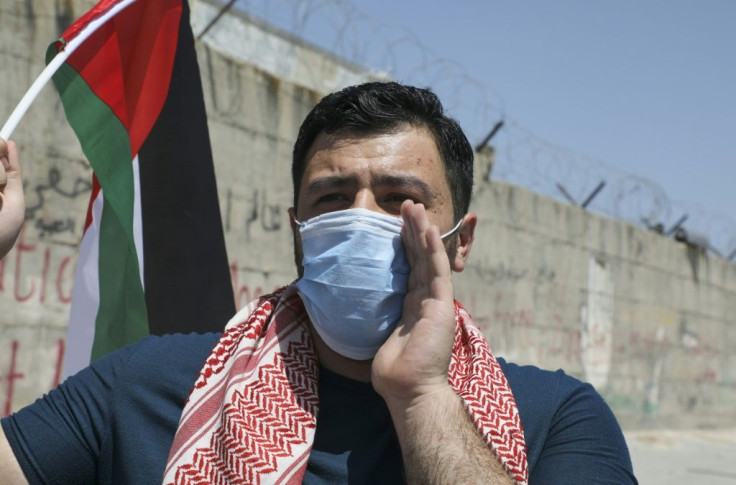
(152, 258)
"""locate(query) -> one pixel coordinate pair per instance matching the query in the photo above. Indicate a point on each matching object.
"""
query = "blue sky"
(590, 90)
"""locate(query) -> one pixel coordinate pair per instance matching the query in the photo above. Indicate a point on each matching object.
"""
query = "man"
(363, 371)
(12, 206)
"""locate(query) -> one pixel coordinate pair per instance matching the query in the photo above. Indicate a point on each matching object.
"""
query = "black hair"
(386, 107)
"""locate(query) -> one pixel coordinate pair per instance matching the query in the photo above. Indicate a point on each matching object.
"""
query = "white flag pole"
(54, 66)
(31, 94)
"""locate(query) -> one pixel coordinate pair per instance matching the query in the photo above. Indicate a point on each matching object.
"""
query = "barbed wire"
(522, 157)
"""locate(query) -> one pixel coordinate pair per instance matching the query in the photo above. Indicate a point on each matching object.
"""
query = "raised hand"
(439, 444)
(12, 204)
(413, 362)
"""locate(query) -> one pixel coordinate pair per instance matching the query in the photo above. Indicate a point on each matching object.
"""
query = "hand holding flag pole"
(12, 205)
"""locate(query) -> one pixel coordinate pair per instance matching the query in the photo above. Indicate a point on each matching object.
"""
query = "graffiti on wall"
(37, 273)
(258, 210)
(41, 196)
(11, 373)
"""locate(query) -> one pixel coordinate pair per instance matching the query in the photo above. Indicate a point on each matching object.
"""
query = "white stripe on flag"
(137, 218)
(85, 297)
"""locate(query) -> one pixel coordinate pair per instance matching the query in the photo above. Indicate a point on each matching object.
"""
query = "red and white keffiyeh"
(252, 414)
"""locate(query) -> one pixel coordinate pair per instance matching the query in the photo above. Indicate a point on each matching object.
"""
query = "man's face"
(378, 173)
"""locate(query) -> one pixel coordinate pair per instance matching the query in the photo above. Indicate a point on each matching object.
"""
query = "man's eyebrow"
(409, 182)
(331, 182)
(396, 181)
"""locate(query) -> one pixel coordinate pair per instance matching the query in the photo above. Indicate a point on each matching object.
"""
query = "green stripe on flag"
(105, 142)
(121, 318)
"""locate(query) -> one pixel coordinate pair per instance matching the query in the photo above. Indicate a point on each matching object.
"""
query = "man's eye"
(330, 198)
(399, 198)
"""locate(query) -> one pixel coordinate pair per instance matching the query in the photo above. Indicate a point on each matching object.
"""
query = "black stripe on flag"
(186, 274)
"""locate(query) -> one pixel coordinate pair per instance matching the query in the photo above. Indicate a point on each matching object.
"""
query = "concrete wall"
(643, 318)
(649, 321)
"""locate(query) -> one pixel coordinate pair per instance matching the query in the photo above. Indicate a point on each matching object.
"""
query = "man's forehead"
(346, 136)
(411, 150)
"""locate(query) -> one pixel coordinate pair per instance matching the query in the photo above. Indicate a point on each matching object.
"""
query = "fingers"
(10, 174)
(11, 185)
(416, 225)
(13, 168)
(9, 161)
(423, 244)
(4, 163)
(407, 232)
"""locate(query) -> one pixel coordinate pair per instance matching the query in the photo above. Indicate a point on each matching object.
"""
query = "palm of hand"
(12, 205)
(414, 360)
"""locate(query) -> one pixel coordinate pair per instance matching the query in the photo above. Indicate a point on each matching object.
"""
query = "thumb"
(12, 191)
(11, 164)
(4, 163)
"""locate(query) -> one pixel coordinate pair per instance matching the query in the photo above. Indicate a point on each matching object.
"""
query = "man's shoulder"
(534, 379)
(561, 412)
(544, 393)
(197, 342)
(161, 353)
(151, 361)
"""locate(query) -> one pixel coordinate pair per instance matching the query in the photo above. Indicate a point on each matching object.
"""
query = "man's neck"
(359, 370)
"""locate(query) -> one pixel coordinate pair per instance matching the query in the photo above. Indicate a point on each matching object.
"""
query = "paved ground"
(684, 457)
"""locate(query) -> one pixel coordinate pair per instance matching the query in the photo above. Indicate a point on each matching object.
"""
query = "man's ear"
(465, 237)
(292, 219)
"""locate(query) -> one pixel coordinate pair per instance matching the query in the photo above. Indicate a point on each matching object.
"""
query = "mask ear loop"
(453, 229)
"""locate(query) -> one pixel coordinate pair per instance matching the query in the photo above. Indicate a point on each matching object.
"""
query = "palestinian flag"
(152, 259)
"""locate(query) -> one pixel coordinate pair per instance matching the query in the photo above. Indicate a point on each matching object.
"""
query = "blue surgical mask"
(355, 277)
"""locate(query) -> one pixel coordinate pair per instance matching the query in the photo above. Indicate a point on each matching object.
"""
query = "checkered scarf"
(251, 415)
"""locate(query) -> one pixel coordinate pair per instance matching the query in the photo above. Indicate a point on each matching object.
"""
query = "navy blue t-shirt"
(115, 421)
